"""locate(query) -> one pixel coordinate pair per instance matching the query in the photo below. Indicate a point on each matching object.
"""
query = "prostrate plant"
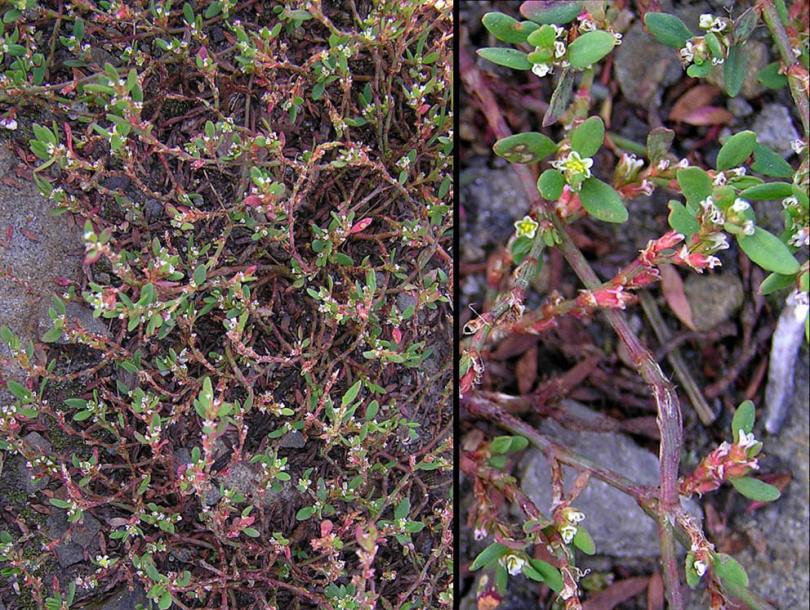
(718, 203)
(265, 191)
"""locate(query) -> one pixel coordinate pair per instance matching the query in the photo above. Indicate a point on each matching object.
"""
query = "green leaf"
(767, 191)
(770, 77)
(249, 531)
(692, 577)
(43, 134)
(59, 503)
(770, 163)
(551, 575)
(543, 37)
(755, 489)
(584, 542)
(507, 29)
(695, 185)
(529, 572)
(18, 390)
(667, 29)
(768, 251)
(402, 509)
(730, 573)
(82, 415)
(525, 147)
(200, 273)
(510, 58)
(590, 48)
(681, 220)
(743, 419)
(351, 393)
(734, 70)
(699, 70)
(736, 150)
(659, 141)
(165, 599)
(744, 25)
(602, 201)
(587, 137)
(550, 12)
(506, 444)
(51, 335)
(489, 555)
(305, 513)
(550, 184)
(560, 98)
(776, 281)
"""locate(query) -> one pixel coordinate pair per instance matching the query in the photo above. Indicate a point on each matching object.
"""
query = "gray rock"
(644, 67)
(293, 440)
(37, 442)
(493, 199)
(739, 107)
(122, 599)
(713, 298)
(618, 526)
(82, 536)
(42, 247)
(77, 313)
(774, 128)
(245, 478)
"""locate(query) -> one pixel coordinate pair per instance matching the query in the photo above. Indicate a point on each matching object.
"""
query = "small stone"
(644, 67)
(774, 128)
(739, 107)
(619, 527)
(82, 537)
(713, 298)
(293, 440)
(122, 599)
(757, 55)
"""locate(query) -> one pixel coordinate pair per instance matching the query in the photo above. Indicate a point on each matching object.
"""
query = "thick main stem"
(669, 414)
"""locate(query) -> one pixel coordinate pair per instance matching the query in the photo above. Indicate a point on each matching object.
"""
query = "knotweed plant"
(265, 194)
(711, 206)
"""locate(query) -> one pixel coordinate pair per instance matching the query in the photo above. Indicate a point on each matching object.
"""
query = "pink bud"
(253, 200)
(360, 225)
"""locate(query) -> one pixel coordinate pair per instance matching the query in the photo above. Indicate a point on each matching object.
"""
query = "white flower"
(713, 212)
(746, 441)
(706, 21)
(801, 237)
(575, 516)
(797, 145)
(688, 52)
(568, 532)
(748, 227)
(737, 171)
(587, 25)
(10, 124)
(542, 69)
(683, 163)
(574, 164)
(618, 38)
(740, 205)
(513, 563)
(716, 61)
(700, 567)
(559, 48)
(788, 202)
(719, 241)
(663, 164)
(480, 533)
(558, 31)
(526, 227)
(719, 179)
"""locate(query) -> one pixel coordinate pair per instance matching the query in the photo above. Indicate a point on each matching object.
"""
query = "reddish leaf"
(527, 370)
(617, 593)
(708, 115)
(655, 592)
(694, 99)
(672, 287)
(252, 200)
(397, 335)
(360, 225)
(30, 235)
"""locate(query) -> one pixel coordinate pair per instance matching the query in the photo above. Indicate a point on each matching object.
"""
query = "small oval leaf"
(550, 12)
(510, 58)
(590, 48)
(767, 191)
(667, 29)
(602, 201)
(551, 184)
(587, 137)
(525, 147)
(736, 150)
(508, 29)
(768, 251)
(756, 490)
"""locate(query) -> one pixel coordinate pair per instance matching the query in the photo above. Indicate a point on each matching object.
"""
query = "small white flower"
(797, 145)
(700, 568)
(746, 441)
(559, 48)
(568, 532)
(9, 124)
(719, 179)
(716, 61)
(719, 24)
(789, 202)
(740, 205)
(737, 171)
(558, 31)
(513, 563)
(618, 38)
(748, 227)
(801, 237)
(575, 516)
(663, 164)
(683, 163)
(587, 25)
(719, 241)
(480, 533)
(541, 69)
(706, 21)
(688, 52)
